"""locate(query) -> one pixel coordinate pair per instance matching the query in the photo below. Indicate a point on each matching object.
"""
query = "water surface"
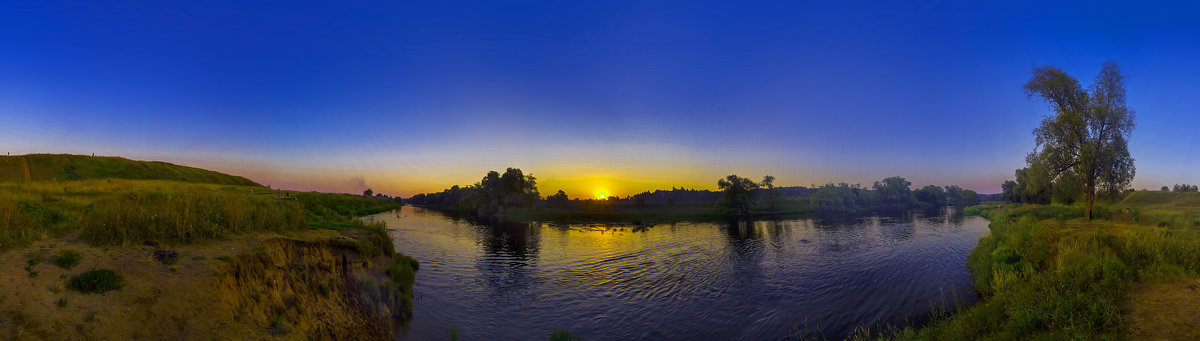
(740, 280)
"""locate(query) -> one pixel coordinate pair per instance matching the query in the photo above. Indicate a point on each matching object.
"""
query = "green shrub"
(96, 281)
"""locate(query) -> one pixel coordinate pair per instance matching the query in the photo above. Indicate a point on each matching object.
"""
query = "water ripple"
(751, 280)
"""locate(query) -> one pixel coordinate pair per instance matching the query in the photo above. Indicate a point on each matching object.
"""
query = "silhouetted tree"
(931, 196)
(771, 194)
(492, 194)
(736, 193)
(1087, 135)
(893, 193)
(558, 199)
(368, 193)
(1185, 188)
(960, 197)
(841, 198)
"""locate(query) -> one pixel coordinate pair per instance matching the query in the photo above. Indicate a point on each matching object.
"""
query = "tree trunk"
(1091, 198)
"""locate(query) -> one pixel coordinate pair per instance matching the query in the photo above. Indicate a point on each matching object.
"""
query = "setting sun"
(601, 195)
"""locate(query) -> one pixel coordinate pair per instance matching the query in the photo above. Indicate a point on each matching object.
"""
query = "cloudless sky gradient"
(606, 96)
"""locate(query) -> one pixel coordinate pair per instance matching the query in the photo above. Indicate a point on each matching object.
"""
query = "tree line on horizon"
(496, 193)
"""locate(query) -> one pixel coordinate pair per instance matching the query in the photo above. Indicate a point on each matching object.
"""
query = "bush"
(96, 281)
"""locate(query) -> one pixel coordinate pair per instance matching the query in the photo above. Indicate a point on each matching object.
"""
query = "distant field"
(66, 167)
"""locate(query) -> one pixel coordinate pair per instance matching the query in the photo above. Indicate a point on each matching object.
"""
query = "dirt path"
(1165, 310)
(25, 169)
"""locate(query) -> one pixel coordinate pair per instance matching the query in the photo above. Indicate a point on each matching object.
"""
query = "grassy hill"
(103, 247)
(112, 200)
(66, 167)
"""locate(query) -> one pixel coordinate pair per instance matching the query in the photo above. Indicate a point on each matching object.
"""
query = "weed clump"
(168, 257)
(32, 259)
(96, 281)
(66, 259)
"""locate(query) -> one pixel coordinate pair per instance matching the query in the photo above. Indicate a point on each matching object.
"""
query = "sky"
(605, 97)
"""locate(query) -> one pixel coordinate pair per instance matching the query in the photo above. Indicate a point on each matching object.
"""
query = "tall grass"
(117, 211)
(186, 217)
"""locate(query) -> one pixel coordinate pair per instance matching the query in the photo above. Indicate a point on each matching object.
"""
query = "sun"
(601, 195)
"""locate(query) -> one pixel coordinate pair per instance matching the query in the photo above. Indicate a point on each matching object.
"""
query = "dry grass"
(252, 286)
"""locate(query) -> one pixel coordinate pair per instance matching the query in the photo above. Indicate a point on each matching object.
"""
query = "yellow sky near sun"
(582, 171)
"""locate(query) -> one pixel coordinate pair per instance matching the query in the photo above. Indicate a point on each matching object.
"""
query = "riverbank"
(1044, 272)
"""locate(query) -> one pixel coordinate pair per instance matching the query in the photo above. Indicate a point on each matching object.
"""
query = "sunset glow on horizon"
(593, 99)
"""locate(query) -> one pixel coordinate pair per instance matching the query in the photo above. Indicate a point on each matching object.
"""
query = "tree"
(967, 198)
(368, 193)
(492, 194)
(931, 196)
(1165, 188)
(841, 198)
(1033, 184)
(1009, 191)
(961, 197)
(893, 193)
(736, 192)
(1067, 189)
(771, 194)
(558, 199)
(1087, 134)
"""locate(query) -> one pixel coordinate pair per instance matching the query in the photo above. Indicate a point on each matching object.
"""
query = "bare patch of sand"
(1165, 310)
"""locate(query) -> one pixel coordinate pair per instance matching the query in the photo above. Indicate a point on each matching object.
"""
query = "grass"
(96, 281)
(66, 167)
(1044, 273)
(66, 259)
(121, 211)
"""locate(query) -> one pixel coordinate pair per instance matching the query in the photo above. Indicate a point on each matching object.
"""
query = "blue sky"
(406, 97)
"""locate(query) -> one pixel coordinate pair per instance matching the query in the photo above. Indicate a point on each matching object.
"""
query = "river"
(757, 280)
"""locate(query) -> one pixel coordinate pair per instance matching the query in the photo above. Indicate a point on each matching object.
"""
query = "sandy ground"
(1165, 310)
(158, 301)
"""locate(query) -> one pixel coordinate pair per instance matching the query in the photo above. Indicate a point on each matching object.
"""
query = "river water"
(756, 280)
